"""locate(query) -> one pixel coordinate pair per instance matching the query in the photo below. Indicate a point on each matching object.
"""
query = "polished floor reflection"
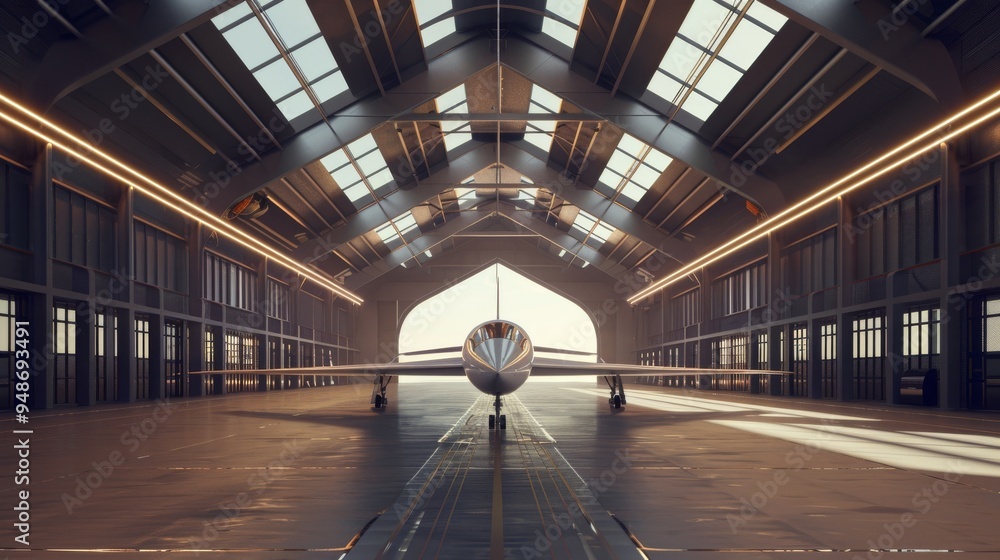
(296, 474)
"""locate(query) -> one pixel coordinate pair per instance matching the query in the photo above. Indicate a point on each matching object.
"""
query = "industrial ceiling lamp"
(253, 206)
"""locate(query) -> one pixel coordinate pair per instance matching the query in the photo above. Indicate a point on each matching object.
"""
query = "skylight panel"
(251, 43)
(718, 81)
(406, 223)
(314, 59)
(645, 176)
(559, 31)
(622, 161)
(631, 145)
(451, 99)
(277, 79)
(293, 21)
(657, 160)
(703, 21)
(230, 16)
(428, 10)
(584, 222)
(356, 192)
(611, 179)
(746, 44)
(387, 233)
(540, 133)
(602, 232)
(633, 192)
(297, 31)
(705, 25)
(767, 16)
(544, 101)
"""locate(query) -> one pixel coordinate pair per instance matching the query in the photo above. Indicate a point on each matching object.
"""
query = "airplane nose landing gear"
(498, 421)
(617, 399)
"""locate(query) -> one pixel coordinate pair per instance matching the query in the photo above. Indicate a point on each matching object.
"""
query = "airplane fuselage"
(497, 357)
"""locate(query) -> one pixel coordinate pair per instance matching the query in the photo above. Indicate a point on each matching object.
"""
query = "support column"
(126, 355)
(219, 362)
(775, 306)
(196, 330)
(41, 341)
(86, 356)
(951, 239)
(845, 324)
(157, 380)
(814, 384)
(196, 358)
(754, 357)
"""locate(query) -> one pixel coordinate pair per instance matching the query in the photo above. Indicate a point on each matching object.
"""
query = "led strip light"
(163, 195)
(837, 188)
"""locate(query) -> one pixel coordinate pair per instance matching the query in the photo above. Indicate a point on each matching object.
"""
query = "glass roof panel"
(657, 160)
(297, 104)
(705, 24)
(544, 101)
(293, 21)
(277, 79)
(371, 162)
(251, 43)
(294, 24)
(427, 10)
(632, 192)
(559, 31)
(314, 59)
(334, 160)
(703, 21)
(451, 98)
(718, 81)
(230, 16)
(330, 86)
(767, 16)
(610, 179)
(345, 176)
(438, 31)
(645, 176)
(631, 145)
(664, 86)
(357, 192)
(745, 44)
(621, 162)
(602, 232)
(362, 146)
(539, 133)
(380, 178)
(584, 221)
(406, 223)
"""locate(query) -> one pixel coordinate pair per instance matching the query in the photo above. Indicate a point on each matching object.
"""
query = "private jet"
(497, 358)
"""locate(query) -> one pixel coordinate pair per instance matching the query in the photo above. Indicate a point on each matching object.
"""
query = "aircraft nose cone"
(497, 352)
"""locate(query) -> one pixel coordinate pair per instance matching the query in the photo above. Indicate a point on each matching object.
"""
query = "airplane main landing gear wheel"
(493, 421)
(503, 421)
(378, 401)
(616, 401)
(617, 398)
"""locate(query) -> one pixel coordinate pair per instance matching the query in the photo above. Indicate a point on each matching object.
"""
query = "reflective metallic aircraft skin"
(497, 357)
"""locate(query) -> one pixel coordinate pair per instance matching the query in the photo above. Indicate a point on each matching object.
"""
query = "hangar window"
(229, 283)
(596, 232)
(294, 25)
(686, 69)
(540, 133)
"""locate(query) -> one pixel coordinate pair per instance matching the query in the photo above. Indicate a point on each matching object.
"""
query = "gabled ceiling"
(379, 132)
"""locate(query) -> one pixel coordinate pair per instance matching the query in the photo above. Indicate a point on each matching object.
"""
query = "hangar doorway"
(436, 326)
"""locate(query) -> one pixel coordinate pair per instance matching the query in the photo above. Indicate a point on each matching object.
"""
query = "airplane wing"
(445, 366)
(555, 367)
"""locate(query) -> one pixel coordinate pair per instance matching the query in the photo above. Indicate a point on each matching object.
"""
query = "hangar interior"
(632, 147)
(250, 185)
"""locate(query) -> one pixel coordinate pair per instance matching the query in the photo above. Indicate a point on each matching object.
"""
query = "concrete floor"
(296, 474)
